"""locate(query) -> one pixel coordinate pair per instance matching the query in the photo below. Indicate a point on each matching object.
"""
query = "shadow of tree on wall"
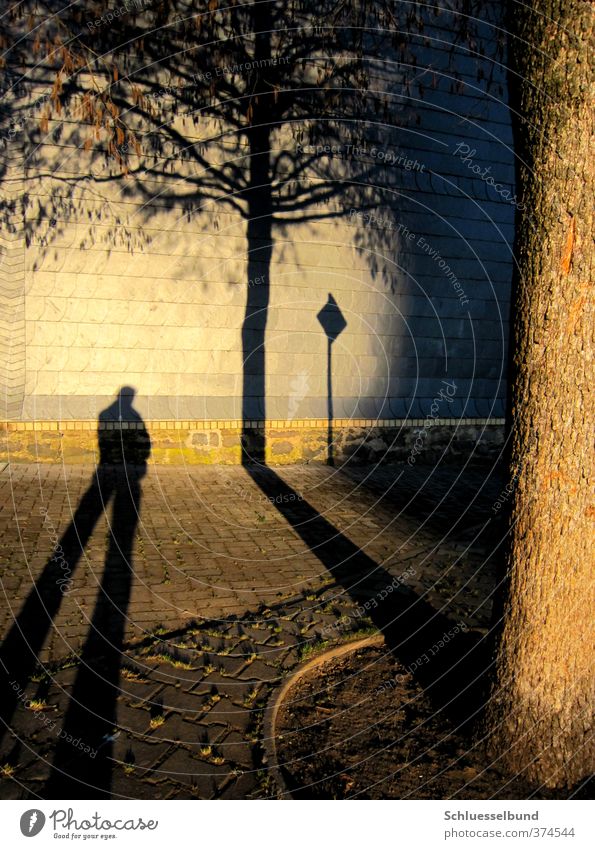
(274, 116)
(84, 770)
(259, 110)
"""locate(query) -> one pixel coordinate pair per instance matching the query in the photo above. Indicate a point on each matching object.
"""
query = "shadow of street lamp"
(333, 323)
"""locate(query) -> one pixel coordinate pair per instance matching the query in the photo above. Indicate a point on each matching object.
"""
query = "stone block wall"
(126, 283)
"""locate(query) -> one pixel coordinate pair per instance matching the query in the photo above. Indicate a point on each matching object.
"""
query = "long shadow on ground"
(452, 676)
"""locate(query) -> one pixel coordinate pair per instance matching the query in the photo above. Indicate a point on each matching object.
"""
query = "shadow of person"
(123, 454)
(82, 763)
(129, 445)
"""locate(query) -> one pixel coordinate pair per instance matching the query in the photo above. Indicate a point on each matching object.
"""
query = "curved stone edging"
(278, 695)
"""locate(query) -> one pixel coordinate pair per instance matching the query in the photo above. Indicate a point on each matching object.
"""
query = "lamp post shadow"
(333, 323)
(410, 624)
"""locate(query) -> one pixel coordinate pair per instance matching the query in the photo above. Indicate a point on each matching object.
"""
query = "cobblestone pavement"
(142, 640)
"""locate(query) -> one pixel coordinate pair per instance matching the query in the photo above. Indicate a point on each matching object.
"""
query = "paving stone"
(241, 787)
(28, 723)
(223, 711)
(196, 774)
(229, 665)
(270, 599)
(191, 704)
(133, 691)
(139, 753)
(258, 671)
(152, 696)
(12, 789)
(38, 770)
(130, 786)
(201, 734)
(65, 678)
(242, 720)
(237, 750)
(133, 718)
(180, 766)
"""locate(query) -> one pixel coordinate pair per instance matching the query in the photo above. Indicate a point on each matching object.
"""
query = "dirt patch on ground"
(359, 726)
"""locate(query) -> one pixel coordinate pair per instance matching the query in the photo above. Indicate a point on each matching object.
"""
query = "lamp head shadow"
(332, 319)
(333, 323)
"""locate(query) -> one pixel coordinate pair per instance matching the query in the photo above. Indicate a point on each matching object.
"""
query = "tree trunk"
(260, 248)
(259, 204)
(539, 718)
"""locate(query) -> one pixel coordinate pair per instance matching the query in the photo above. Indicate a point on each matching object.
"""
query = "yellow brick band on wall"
(219, 442)
(236, 424)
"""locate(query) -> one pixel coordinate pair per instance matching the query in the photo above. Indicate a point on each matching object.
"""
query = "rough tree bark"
(539, 718)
